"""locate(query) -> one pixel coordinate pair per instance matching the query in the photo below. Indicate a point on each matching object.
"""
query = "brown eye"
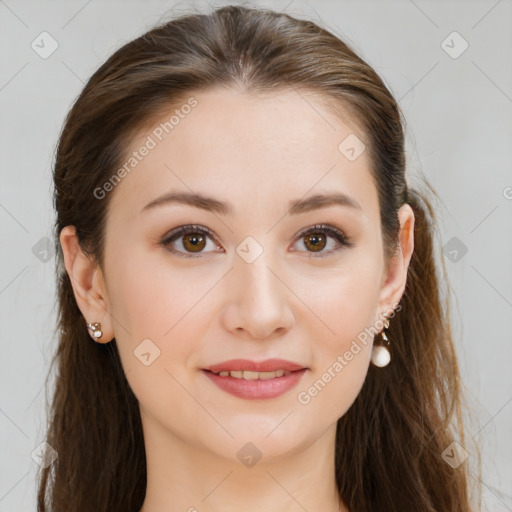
(315, 241)
(194, 242)
(189, 241)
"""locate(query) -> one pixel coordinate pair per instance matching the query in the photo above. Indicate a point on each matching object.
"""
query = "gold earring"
(380, 353)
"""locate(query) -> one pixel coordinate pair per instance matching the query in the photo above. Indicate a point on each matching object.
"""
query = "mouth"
(244, 368)
(251, 380)
(248, 375)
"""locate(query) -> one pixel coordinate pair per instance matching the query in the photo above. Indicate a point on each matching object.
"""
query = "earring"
(380, 353)
(95, 330)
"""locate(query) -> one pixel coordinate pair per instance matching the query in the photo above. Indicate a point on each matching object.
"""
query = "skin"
(266, 151)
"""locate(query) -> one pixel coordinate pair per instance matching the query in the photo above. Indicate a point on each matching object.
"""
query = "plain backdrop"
(449, 66)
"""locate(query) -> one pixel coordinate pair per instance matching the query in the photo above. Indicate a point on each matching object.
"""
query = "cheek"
(344, 303)
(346, 306)
(341, 357)
(152, 296)
(157, 320)
(150, 300)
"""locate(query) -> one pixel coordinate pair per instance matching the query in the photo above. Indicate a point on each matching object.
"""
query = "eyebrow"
(296, 206)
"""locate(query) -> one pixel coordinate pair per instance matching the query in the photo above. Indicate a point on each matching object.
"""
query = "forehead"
(240, 147)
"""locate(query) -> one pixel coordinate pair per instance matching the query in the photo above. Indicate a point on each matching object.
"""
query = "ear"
(395, 277)
(88, 283)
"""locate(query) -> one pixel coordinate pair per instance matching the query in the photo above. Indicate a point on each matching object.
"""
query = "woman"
(251, 317)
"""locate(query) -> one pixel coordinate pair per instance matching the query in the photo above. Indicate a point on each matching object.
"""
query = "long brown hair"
(389, 444)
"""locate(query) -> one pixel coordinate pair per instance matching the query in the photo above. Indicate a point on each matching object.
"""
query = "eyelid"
(187, 228)
(328, 228)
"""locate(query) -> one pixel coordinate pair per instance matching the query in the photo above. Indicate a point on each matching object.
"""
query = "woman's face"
(246, 282)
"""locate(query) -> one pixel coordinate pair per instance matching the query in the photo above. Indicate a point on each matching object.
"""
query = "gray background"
(459, 135)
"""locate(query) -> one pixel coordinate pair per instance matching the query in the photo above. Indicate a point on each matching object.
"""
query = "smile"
(251, 385)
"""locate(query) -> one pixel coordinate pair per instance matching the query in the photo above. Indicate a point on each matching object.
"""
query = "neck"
(187, 477)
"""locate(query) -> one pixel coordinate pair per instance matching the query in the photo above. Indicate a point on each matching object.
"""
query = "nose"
(258, 299)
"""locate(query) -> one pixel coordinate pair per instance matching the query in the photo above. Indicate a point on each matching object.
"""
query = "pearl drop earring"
(380, 353)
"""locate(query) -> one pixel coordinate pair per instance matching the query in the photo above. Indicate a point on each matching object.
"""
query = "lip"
(256, 389)
(269, 365)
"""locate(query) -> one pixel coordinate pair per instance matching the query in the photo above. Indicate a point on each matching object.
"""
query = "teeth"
(249, 375)
(268, 375)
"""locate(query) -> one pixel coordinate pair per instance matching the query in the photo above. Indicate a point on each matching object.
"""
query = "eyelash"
(335, 233)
